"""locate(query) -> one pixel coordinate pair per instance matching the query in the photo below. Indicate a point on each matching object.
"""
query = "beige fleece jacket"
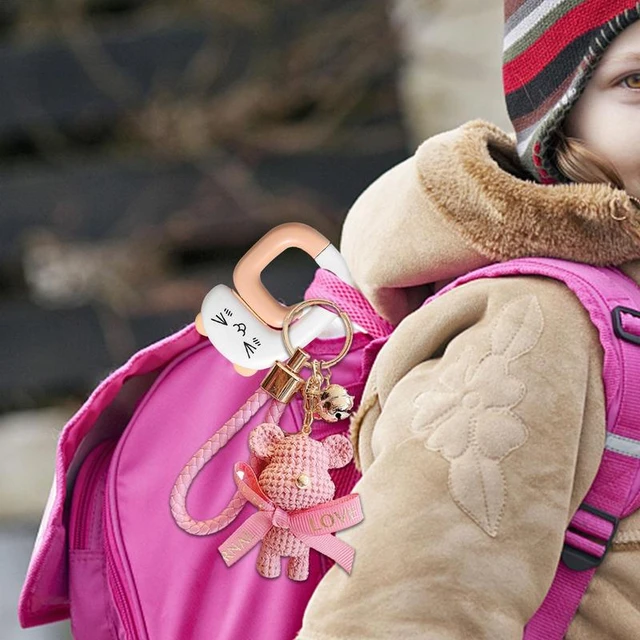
(482, 423)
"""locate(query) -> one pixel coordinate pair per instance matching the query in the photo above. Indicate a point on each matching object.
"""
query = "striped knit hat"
(551, 48)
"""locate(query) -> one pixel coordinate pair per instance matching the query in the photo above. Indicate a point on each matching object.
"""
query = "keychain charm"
(294, 491)
(287, 477)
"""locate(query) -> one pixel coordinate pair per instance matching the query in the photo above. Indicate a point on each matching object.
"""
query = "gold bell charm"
(334, 403)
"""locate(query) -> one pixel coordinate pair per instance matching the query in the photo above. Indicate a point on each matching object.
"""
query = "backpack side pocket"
(88, 589)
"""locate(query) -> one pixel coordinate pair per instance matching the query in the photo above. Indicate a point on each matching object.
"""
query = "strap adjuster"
(580, 559)
(617, 324)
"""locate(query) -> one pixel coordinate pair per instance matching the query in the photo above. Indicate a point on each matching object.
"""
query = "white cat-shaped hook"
(244, 324)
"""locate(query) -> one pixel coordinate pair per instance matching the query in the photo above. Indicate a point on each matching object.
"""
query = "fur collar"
(462, 201)
(476, 182)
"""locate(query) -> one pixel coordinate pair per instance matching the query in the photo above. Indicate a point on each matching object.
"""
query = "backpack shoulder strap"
(613, 302)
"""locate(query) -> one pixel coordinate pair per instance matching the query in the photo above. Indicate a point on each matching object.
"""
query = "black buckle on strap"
(580, 560)
(617, 324)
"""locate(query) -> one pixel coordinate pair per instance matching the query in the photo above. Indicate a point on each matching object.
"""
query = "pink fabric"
(327, 285)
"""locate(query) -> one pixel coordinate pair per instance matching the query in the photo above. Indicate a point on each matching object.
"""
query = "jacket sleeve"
(480, 431)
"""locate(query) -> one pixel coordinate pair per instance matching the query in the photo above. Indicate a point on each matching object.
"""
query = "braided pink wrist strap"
(178, 500)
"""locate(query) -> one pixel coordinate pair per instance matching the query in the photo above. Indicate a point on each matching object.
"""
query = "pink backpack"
(126, 570)
(109, 554)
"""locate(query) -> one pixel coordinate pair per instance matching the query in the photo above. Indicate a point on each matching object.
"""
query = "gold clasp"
(283, 381)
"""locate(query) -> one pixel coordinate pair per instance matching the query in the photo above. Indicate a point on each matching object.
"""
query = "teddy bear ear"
(340, 450)
(264, 438)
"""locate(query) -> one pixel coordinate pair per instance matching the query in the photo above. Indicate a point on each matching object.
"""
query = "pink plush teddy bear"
(296, 476)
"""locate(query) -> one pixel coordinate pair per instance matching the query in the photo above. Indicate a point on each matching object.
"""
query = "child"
(482, 424)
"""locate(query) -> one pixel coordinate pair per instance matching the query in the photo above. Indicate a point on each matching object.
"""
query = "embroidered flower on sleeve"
(468, 415)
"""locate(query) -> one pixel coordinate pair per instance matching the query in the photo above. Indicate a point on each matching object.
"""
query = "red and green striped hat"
(551, 48)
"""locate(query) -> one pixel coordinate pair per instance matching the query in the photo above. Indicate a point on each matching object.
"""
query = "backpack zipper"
(120, 598)
(88, 479)
(116, 571)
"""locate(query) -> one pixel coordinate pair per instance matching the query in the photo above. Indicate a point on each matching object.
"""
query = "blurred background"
(145, 145)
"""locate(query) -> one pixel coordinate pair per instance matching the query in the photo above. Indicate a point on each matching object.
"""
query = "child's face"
(606, 116)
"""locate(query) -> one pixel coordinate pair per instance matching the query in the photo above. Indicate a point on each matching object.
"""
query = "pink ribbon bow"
(313, 526)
